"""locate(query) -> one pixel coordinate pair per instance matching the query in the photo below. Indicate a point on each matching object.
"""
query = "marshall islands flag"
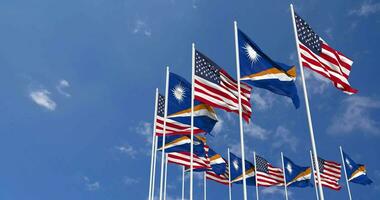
(179, 105)
(356, 173)
(259, 70)
(296, 176)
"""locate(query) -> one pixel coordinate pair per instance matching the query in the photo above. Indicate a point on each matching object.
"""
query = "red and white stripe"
(224, 95)
(330, 175)
(223, 178)
(184, 158)
(274, 177)
(174, 127)
(331, 64)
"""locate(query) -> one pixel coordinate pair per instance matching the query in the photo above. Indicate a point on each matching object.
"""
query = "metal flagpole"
(315, 182)
(257, 185)
(154, 167)
(166, 175)
(345, 173)
(283, 170)
(229, 175)
(313, 145)
(204, 186)
(164, 133)
(240, 110)
(153, 146)
(192, 119)
(183, 182)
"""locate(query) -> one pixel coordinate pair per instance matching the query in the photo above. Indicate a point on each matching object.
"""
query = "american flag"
(172, 127)
(330, 173)
(317, 55)
(213, 86)
(267, 175)
(184, 159)
(222, 178)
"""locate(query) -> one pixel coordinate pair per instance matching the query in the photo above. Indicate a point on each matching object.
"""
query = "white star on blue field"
(78, 80)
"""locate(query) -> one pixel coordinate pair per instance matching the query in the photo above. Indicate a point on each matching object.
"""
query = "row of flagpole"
(313, 152)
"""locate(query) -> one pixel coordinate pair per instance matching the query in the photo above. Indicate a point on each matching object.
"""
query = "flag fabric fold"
(267, 175)
(296, 176)
(320, 57)
(259, 70)
(330, 173)
(356, 173)
(236, 169)
(215, 87)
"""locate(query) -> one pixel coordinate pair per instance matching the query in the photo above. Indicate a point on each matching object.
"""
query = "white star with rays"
(236, 164)
(179, 92)
(289, 168)
(251, 53)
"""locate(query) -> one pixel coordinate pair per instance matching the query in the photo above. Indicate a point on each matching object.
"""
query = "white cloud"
(130, 181)
(262, 100)
(141, 27)
(41, 97)
(315, 82)
(274, 191)
(127, 149)
(367, 8)
(355, 114)
(145, 129)
(256, 131)
(91, 186)
(61, 86)
(283, 137)
(218, 126)
(329, 34)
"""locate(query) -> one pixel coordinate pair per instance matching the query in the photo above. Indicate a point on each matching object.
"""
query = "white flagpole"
(229, 175)
(345, 173)
(257, 185)
(153, 146)
(192, 120)
(154, 167)
(313, 145)
(312, 169)
(164, 133)
(283, 170)
(183, 182)
(240, 110)
(166, 175)
(204, 186)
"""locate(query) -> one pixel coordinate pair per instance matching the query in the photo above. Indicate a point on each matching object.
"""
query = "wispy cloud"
(262, 100)
(274, 191)
(366, 8)
(42, 98)
(127, 149)
(141, 27)
(355, 114)
(62, 85)
(130, 181)
(256, 131)
(329, 34)
(91, 186)
(283, 137)
(317, 83)
(145, 129)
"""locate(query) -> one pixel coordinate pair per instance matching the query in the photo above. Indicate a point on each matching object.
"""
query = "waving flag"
(200, 159)
(330, 173)
(259, 70)
(237, 172)
(267, 175)
(317, 55)
(356, 173)
(215, 87)
(172, 127)
(174, 143)
(296, 176)
(179, 105)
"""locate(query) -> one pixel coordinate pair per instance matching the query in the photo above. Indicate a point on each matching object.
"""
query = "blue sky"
(78, 80)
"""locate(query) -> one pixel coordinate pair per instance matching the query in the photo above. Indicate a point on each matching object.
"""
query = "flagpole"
(154, 167)
(164, 132)
(183, 182)
(229, 175)
(315, 182)
(257, 185)
(345, 172)
(283, 170)
(204, 186)
(166, 175)
(153, 145)
(240, 110)
(192, 119)
(313, 145)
